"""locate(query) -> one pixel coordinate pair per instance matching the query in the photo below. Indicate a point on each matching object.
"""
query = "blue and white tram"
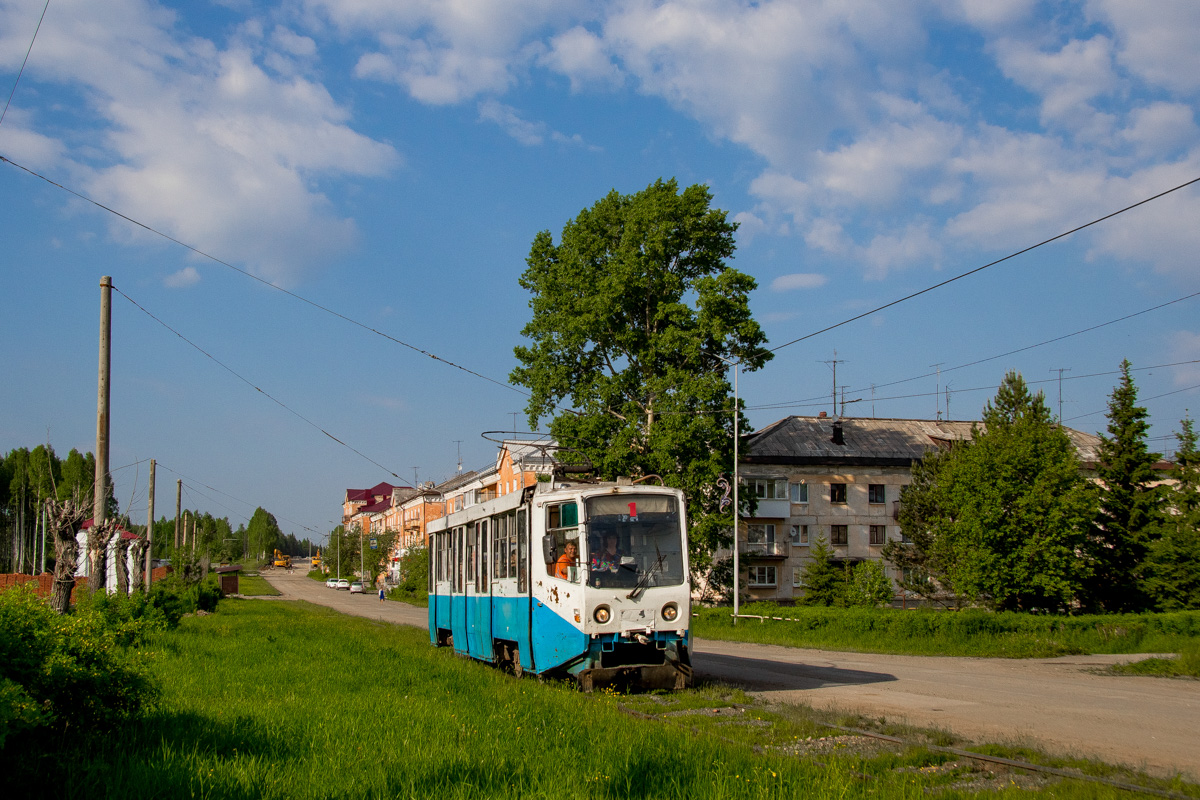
(582, 579)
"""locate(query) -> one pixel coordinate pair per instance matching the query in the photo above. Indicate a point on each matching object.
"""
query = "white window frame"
(757, 576)
(798, 492)
(797, 577)
(799, 536)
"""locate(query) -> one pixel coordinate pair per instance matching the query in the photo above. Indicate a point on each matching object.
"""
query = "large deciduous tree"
(636, 320)
(1001, 519)
(1130, 504)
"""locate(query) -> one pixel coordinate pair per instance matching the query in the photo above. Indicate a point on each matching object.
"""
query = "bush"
(82, 668)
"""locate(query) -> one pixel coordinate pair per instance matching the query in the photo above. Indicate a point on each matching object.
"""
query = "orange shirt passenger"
(568, 562)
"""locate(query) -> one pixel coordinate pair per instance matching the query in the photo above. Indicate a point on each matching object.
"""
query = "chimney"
(837, 432)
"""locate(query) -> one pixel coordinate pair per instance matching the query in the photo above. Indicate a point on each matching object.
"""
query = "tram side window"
(456, 557)
(562, 522)
(522, 552)
(471, 538)
(481, 585)
(500, 548)
(511, 520)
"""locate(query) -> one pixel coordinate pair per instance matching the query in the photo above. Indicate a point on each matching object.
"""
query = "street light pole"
(736, 508)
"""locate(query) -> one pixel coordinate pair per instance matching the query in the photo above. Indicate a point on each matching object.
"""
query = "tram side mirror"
(548, 549)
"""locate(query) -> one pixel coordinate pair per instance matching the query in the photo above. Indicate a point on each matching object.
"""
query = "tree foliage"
(1172, 577)
(824, 578)
(868, 585)
(1000, 519)
(1129, 512)
(636, 319)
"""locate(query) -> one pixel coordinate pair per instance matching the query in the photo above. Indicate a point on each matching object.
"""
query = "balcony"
(763, 549)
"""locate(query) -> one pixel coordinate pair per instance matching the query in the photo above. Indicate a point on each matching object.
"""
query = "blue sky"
(392, 161)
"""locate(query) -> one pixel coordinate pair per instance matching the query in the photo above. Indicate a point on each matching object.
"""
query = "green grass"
(256, 586)
(417, 598)
(952, 633)
(1185, 665)
(294, 700)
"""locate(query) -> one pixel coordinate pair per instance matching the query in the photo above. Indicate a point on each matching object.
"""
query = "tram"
(567, 579)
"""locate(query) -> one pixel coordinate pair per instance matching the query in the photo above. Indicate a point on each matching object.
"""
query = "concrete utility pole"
(150, 530)
(178, 507)
(100, 493)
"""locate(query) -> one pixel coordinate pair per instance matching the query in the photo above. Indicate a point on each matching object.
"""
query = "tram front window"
(634, 540)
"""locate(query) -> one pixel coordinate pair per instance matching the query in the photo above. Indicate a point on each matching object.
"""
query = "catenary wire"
(264, 282)
(21, 71)
(250, 383)
(233, 497)
(968, 273)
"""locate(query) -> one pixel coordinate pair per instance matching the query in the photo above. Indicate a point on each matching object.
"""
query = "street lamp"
(736, 508)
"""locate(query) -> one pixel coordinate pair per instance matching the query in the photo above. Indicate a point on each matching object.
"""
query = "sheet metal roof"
(870, 442)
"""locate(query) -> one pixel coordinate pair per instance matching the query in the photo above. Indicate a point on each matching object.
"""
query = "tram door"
(479, 596)
(458, 605)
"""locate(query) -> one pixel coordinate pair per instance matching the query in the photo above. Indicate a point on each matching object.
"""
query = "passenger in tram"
(567, 566)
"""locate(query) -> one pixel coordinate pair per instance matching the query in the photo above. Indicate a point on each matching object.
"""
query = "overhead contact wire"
(250, 383)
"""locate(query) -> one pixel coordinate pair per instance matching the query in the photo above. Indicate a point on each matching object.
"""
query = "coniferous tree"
(1130, 505)
(1173, 564)
(824, 578)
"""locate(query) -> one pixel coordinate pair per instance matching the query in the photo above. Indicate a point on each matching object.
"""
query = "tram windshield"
(634, 541)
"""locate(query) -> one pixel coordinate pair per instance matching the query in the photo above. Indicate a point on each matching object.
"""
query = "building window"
(839, 534)
(799, 534)
(799, 492)
(837, 492)
(797, 577)
(762, 576)
(876, 494)
(760, 532)
(878, 534)
(770, 489)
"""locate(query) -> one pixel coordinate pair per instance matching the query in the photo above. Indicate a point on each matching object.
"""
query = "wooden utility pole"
(178, 507)
(100, 491)
(150, 530)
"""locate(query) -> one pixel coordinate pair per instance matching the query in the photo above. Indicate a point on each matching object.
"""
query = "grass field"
(962, 633)
(294, 700)
(256, 586)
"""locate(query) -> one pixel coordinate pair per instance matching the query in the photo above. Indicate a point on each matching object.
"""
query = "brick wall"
(44, 583)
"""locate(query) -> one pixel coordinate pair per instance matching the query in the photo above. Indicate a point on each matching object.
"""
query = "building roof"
(369, 495)
(870, 442)
(375, 508)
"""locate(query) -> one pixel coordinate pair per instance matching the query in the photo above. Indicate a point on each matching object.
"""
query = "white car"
(356, 588)
(331, 583)
(343, 584)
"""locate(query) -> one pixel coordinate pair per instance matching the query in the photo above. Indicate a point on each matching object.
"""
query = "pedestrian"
(381, 594)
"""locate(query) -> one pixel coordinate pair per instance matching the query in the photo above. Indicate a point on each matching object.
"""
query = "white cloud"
(188, 276)
(579, 54)
(1156, 42)
(527, 133)
(1161, 128)
(798, 280)
(203, 143)
(1068, 80)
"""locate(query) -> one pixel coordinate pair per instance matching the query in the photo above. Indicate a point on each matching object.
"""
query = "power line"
(21, 71)
(263, 281)
(232, 497)
(985, 266)
(1141, 400)
(249, 383)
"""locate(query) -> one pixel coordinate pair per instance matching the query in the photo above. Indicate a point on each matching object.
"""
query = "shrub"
(82, 668)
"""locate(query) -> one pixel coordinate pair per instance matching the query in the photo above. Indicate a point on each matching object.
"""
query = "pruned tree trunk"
(137, 578)
(98, 538)
(123, 565)
(64, 520)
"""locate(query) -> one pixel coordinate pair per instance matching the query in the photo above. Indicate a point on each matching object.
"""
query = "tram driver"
(567, 566)
(607, 559)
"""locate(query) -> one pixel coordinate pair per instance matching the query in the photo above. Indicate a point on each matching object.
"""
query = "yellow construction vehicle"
(281, 560)
(316, 560)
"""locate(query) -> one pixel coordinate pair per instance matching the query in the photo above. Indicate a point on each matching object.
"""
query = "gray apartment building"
(838, 479)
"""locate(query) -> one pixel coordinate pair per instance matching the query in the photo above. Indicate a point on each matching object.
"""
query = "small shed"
(227, 578)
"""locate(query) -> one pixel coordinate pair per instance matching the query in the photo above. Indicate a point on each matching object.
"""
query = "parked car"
(356, 588)
(343, 584)
(331, 583)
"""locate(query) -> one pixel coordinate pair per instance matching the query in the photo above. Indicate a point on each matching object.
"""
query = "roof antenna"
(459, 443)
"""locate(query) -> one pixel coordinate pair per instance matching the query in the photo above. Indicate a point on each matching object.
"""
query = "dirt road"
(1059, 704)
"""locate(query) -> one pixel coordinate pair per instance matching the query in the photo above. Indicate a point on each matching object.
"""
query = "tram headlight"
(602, 614)
(670, 612)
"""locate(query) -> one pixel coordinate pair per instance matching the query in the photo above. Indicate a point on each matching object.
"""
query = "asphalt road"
(1058, 705)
